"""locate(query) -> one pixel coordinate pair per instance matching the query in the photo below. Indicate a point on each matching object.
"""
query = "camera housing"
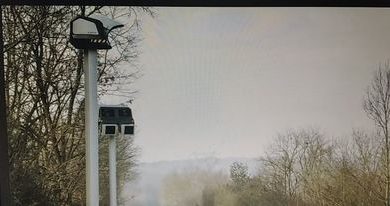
(92, 32)
(119, 116)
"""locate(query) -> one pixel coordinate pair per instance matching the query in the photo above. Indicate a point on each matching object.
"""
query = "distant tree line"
(45, 101)
(304, 167)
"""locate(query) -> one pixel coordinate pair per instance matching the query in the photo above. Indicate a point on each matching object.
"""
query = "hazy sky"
(223, 81)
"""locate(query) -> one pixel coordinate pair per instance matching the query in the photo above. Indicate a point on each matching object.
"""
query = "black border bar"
(207, 3)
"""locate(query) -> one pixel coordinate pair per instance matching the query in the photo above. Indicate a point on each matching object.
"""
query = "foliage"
(302, 168)
(239, 174)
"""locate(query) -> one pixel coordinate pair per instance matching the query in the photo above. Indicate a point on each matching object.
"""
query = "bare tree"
(377, 107)
(282, 161)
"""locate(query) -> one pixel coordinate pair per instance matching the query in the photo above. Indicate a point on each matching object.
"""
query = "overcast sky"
(224, 81)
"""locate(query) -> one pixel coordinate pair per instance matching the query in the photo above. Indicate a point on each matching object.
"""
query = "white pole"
(112, 170)
(91, 128)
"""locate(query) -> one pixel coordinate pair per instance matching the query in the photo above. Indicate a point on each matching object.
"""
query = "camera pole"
(91, 128)
(112, 169)
(91, 33)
